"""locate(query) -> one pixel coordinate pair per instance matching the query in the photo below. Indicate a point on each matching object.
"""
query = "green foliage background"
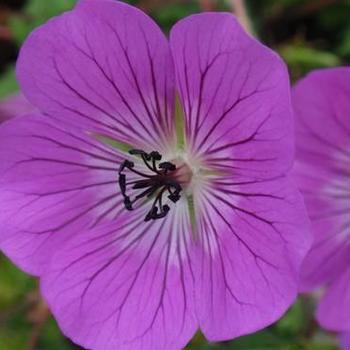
(307, 34)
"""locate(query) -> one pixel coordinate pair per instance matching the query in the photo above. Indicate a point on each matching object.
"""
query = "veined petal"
(126, 286)
(333, 310)
(321, 102)
(104, 65)
(235, 95)
(54, 182)
(253, 238)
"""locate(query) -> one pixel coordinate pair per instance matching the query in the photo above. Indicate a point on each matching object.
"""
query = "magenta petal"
(252, 224)
(344, 340)
(126, 286)
(333, 310)
(254, 237)
(105, 65)
(53, 183)
(235, 94)
(322, 104)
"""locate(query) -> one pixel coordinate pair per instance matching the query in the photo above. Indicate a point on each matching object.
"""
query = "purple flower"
(322, 103)
(14, 106)
(197, 227)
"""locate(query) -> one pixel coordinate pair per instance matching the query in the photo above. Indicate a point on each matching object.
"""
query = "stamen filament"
(163, 179)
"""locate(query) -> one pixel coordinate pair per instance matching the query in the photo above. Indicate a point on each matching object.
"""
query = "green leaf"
(14, 284)
(8, 83)
(301, 59)
(294, 321)
(52, 338)
(35, 14)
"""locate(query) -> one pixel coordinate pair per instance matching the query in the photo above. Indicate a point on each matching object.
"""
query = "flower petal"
(125, 286)
(333, 310)
(54, 182)
(254, 237)
(105, 65)
(322, 102)
(235, 96)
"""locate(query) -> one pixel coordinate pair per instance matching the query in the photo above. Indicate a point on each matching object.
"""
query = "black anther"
(159, 179)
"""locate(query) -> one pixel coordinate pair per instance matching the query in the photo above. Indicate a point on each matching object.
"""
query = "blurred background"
(308, 34)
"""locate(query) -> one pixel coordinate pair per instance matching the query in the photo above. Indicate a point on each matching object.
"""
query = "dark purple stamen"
(157, 182)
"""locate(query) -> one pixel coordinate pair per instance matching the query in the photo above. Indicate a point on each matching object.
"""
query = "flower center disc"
(155, 180)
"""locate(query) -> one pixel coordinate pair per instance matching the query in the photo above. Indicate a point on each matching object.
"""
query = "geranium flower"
(322, 102)
(149, 216)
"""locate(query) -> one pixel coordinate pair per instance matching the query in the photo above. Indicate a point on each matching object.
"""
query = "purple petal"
(125, 286)
(344, 340)
(14, 106)
(253, 238)
(105, 65)
(54, 182)
(333, 310)
(235, 94)
(322, 102)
